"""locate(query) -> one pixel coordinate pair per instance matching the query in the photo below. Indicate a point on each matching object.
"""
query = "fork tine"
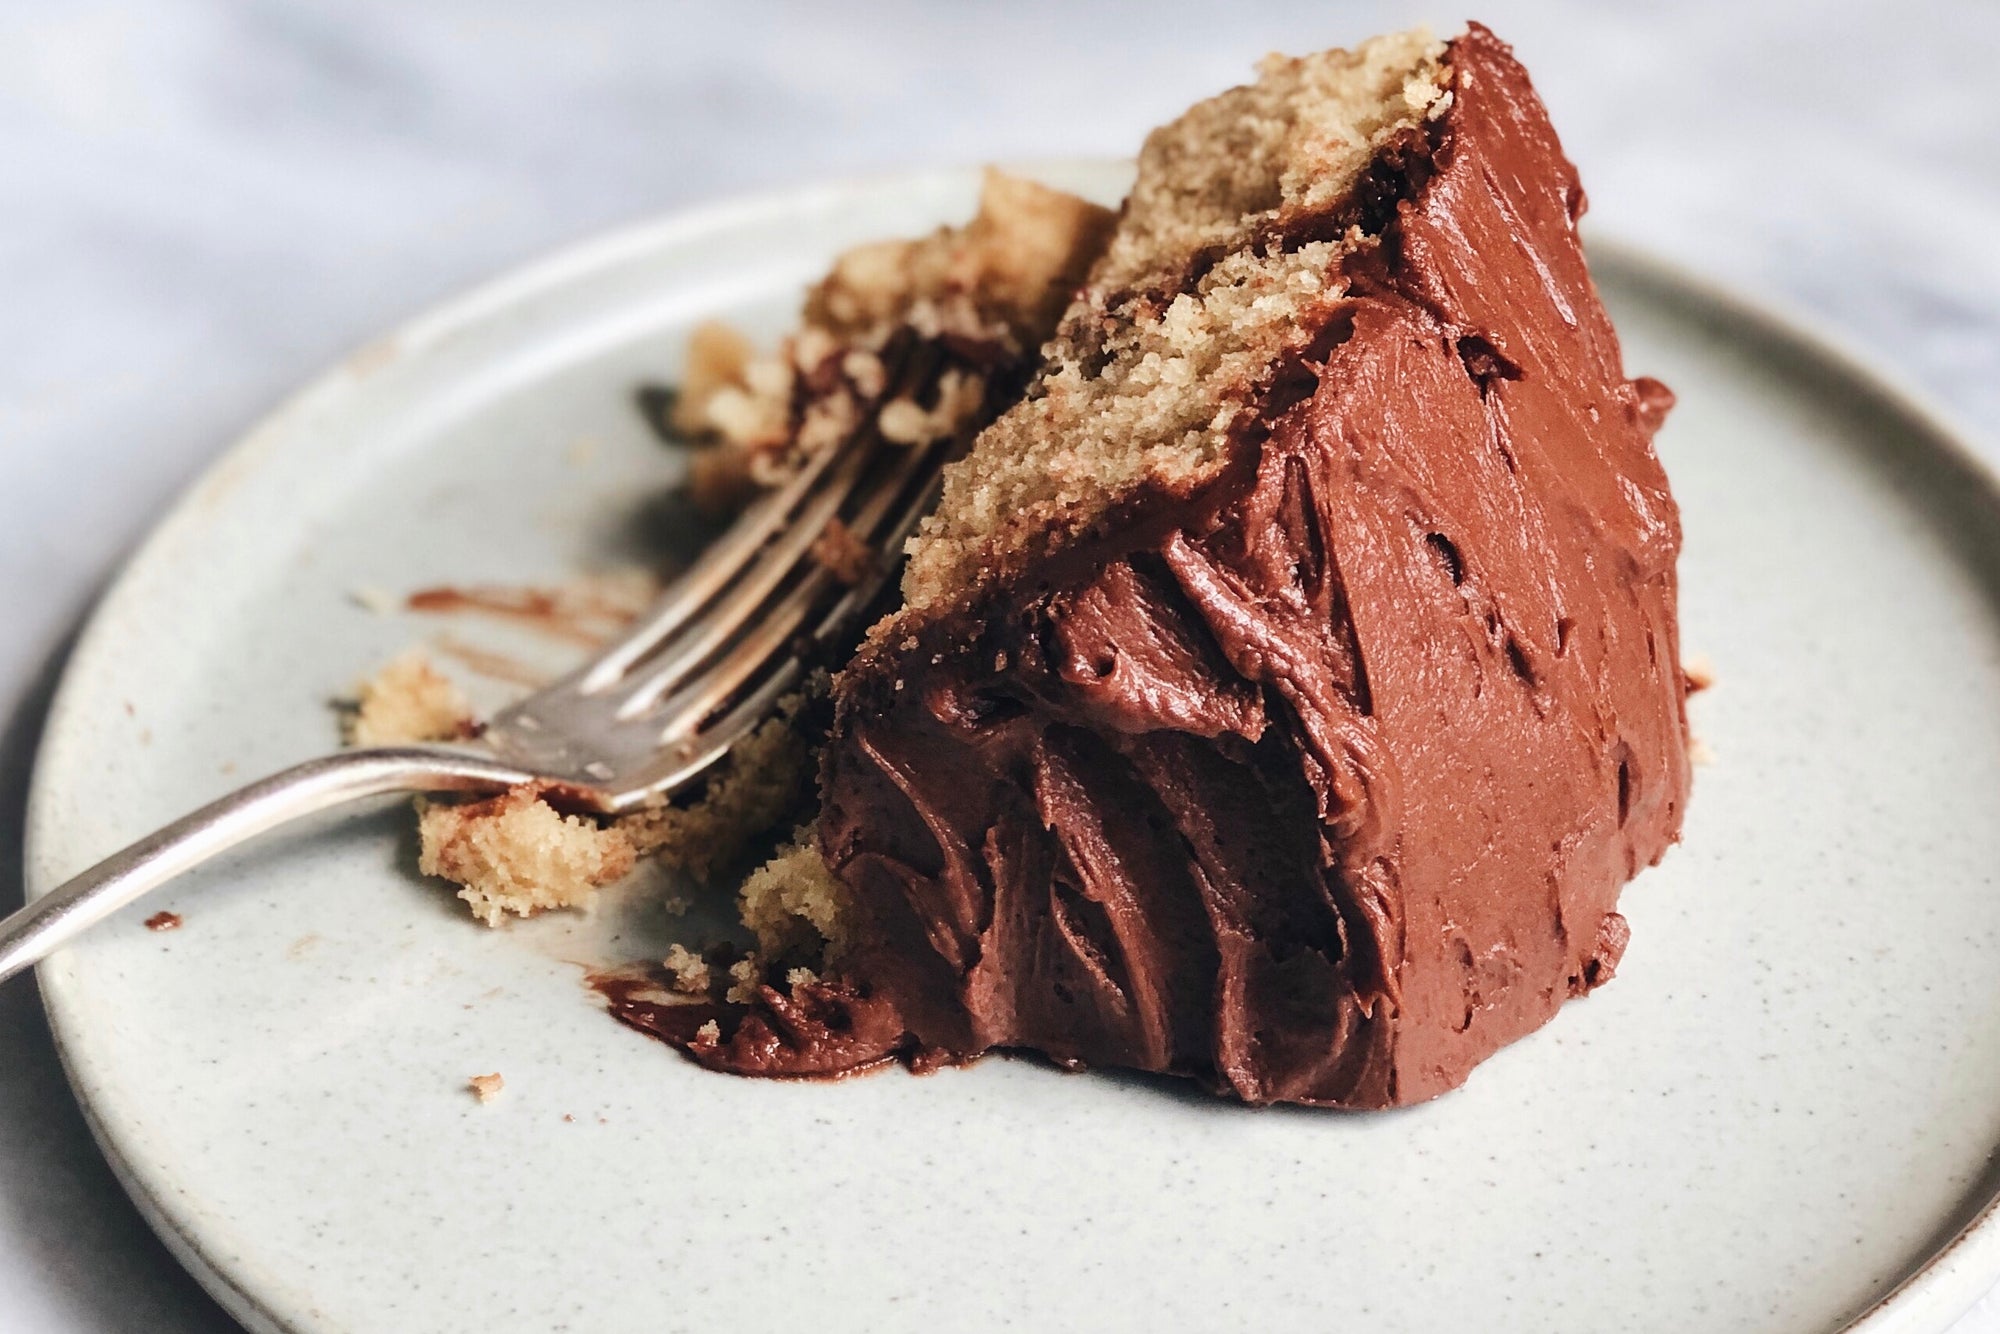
(707, 665)
(719, 566)
(696, 701)
(694, 639)
(769, 628)
(691, 748)
(684, 763)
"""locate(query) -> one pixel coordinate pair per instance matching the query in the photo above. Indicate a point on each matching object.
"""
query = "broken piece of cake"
(406, 702)
(1288, 682)
(920, 340)
(516, 854)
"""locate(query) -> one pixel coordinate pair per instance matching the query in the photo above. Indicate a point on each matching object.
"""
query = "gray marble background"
(203, 201)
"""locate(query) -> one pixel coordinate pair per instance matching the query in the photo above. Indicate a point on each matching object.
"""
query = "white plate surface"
(1783, 1108)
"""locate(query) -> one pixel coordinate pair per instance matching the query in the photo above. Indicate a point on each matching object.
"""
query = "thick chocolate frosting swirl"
(1317, 784)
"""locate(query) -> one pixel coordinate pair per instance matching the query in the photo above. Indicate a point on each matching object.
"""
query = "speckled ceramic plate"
(1781, 1117)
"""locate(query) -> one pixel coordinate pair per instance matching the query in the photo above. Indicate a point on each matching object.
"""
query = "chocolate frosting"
(1317, 784)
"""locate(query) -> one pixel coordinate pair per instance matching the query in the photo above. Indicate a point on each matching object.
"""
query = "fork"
(646, 718)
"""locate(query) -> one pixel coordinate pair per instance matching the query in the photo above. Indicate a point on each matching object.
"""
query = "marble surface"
(204, 201)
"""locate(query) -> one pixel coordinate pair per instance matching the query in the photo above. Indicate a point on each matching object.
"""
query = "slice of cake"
(1288, 683)
(918, 340)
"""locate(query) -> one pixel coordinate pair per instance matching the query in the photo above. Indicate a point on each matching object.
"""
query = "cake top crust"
(1233, 240)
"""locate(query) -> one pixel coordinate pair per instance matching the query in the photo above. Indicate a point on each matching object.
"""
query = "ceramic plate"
(1784, 1110)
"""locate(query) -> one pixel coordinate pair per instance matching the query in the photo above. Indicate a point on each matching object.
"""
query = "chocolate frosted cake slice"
(1288, 683)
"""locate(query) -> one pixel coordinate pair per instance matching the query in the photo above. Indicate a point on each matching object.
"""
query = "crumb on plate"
(1698, 672)
(515, 853)
(408, 702)
(688, 971)
(379, 601)
(746, 975)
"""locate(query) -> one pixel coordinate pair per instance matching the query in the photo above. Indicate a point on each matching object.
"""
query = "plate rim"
(1964, 1267)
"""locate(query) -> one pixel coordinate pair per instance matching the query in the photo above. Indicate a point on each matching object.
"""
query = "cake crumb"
(766, 776)
(690, 973)
(800, 977)
(379, 601)
(709, 1034)
(959, 395)
(716, 358)
(486, 1087)
(515, 853)
(795, 904)
(975, 301)
(1698, 672)
(408, 702)
(842, 554)
(164, 921)
(746, 975)
(1699, 752)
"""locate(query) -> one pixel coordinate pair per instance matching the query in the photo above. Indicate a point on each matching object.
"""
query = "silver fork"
(704, 666)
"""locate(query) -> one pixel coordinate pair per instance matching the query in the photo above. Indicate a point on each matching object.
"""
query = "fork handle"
(30, 935)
